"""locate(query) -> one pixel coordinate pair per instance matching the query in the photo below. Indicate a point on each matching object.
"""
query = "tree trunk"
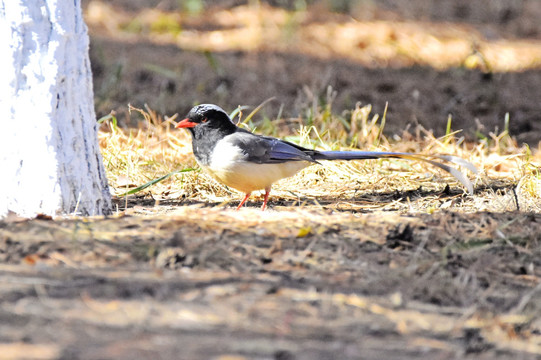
(50, 159)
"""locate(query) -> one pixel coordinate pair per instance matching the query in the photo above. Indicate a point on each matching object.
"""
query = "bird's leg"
(244, 200)
(267, 193)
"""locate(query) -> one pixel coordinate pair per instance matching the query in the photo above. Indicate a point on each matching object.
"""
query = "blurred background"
(478, 62)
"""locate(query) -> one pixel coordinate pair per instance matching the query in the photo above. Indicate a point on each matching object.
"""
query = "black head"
(206, 118)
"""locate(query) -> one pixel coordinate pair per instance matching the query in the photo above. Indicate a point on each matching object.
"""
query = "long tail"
(431, 159)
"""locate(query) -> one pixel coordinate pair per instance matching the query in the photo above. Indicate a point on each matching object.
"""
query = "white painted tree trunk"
(49, 156)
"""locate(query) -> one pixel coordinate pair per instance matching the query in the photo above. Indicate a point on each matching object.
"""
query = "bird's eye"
(204, 120)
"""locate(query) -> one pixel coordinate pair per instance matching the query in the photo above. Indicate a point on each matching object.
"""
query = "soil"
(188, 280)
(286, 284)
(415, 89)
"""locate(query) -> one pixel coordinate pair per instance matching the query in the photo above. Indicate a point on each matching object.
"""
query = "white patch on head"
(204, 108)
(228, 165)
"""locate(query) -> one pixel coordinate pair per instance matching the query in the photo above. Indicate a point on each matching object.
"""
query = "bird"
(248, 162)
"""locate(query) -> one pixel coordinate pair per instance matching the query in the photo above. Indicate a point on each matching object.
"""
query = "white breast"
(228, 165)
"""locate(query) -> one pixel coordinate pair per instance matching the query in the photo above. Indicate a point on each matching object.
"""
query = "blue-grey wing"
(266, 150)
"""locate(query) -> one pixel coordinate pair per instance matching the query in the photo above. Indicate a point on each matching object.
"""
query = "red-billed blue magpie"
(247, 162)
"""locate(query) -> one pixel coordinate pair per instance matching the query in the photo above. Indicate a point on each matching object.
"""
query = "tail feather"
(431, 159)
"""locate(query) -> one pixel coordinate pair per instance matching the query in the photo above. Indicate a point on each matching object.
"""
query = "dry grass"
(508, 174)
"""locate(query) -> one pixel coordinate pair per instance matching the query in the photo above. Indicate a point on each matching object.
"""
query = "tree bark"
(50, 159)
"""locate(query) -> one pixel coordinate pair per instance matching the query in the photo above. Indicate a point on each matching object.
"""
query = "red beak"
(186, 123)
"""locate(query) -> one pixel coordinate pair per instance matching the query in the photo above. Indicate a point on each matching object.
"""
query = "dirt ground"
(286, 284)
(412, 56)
(187, 280)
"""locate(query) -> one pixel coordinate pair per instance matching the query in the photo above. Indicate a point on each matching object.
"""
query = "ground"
(352, 272)
(287, 284)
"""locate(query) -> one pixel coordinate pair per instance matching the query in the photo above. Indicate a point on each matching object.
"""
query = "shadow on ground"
(206, 282)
